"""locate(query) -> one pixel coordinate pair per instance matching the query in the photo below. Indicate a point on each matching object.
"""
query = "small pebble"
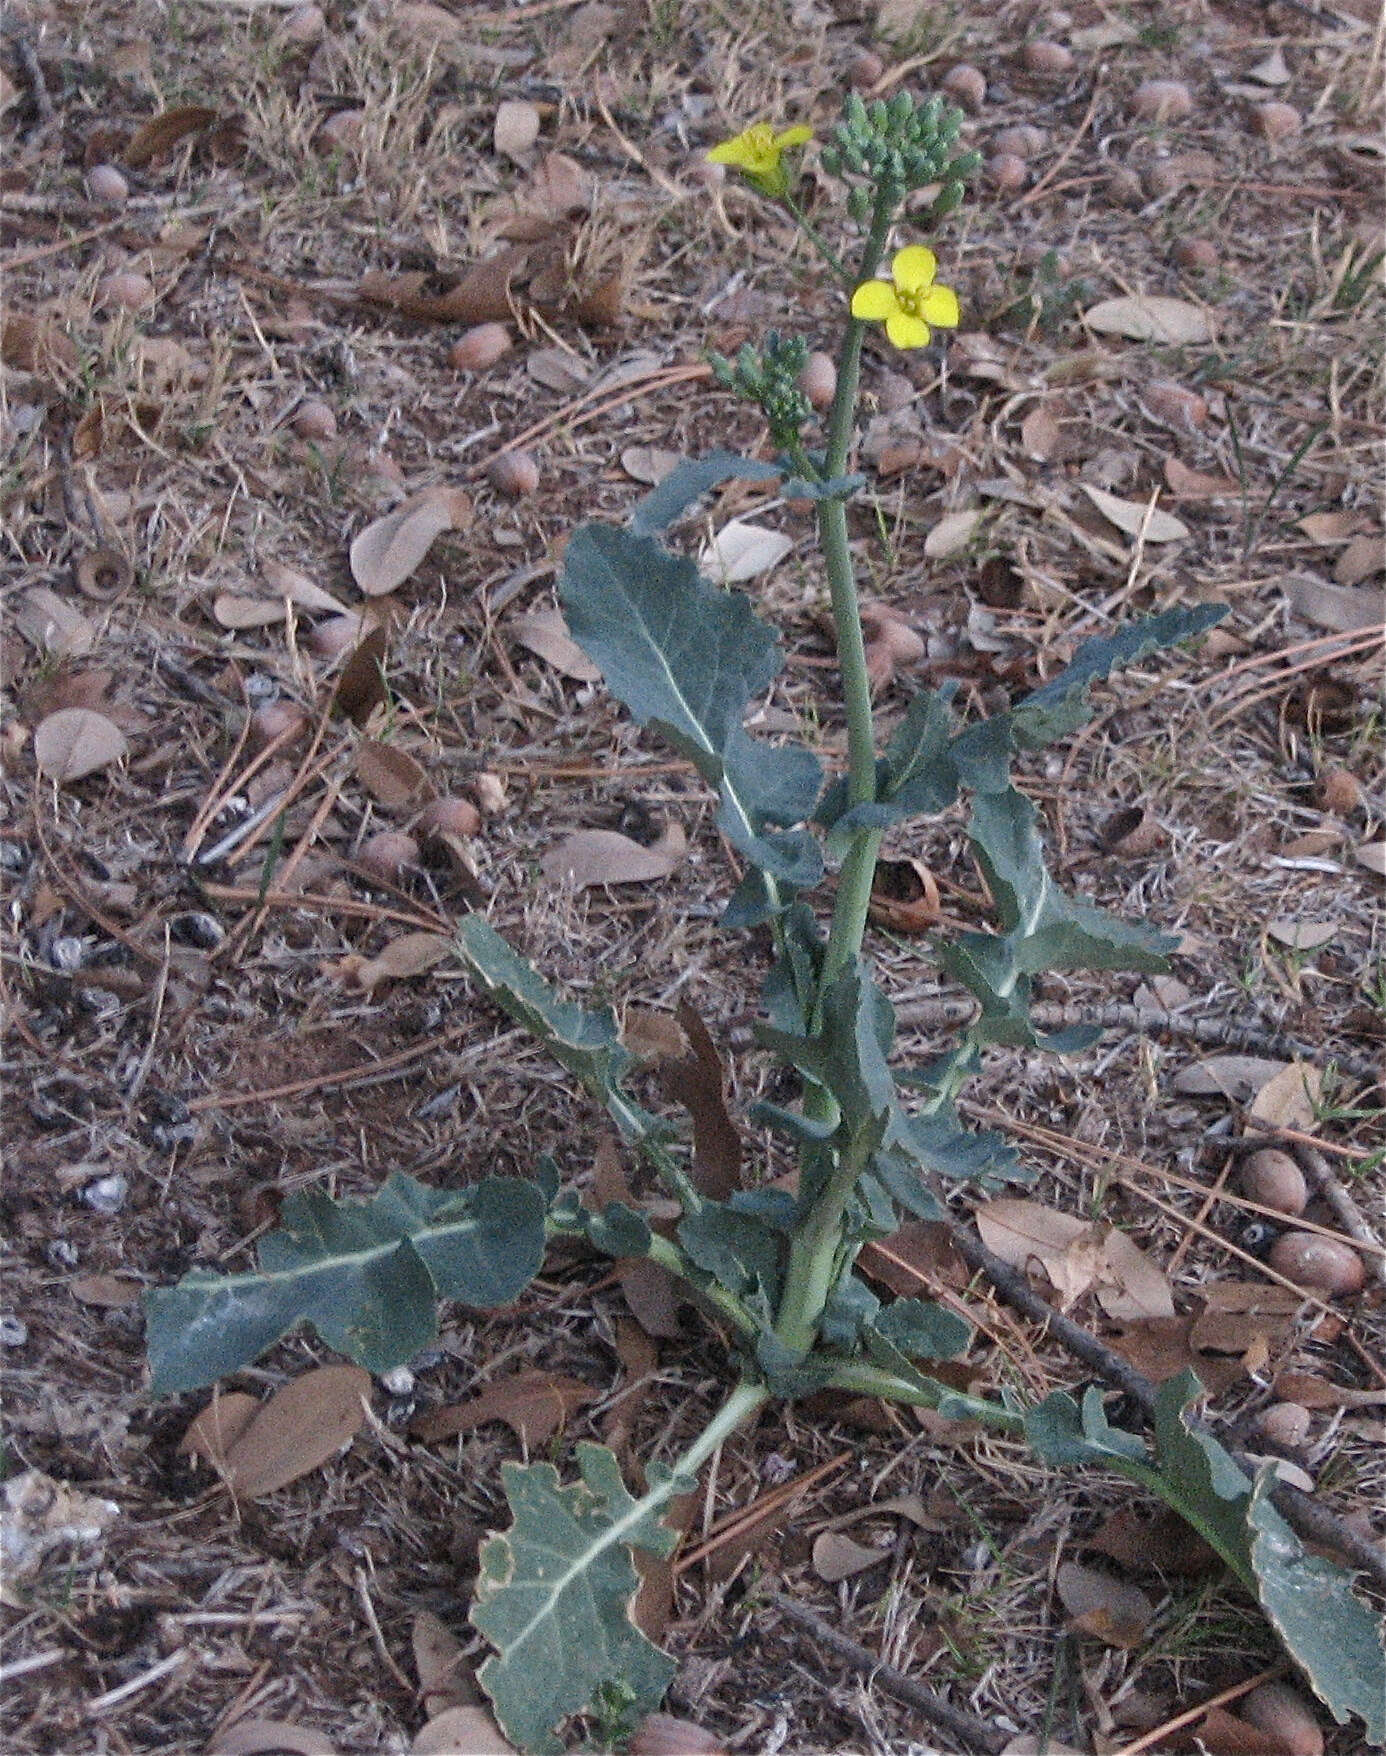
(1176, 406)
(305, 25)
(106, 185)
(124, 291)
(489, 792)
(450, 817)
(1285, 1424)
(387, 853)
(107, 1194)
(1162, 100)
(1196, 254)
(1284, 1713)
(1273, 1179)
(67, 952)
(1276, 122)
(14, 1332)
(514, 474)
(1007, 172)
(1321, 1265)
(818, 380)
(1339, 791)
(313, 419)
(480, 347)
(1048, 60)
(966, 86)
(398, 1381)
(1024, 140)
(276, 719)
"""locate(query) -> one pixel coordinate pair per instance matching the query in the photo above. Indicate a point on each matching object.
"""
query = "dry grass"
(148, 1023)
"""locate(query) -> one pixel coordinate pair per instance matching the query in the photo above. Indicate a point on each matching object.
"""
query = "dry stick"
(322, 1081)
(310, 899)
(1148, 1021)
(967, 1728)
(1348, 1214)
(740, 1518)
(1311, 1520)
(568, 416)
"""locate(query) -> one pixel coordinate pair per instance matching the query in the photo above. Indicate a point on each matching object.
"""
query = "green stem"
(861, 1378)
(813, 1252)
(734, 1412)
(806, 226)
(670, 1257)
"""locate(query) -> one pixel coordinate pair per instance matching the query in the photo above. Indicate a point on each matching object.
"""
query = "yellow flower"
(757, 154)
(909, 301)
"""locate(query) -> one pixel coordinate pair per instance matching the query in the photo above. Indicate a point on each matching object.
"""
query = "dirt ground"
(216, 368)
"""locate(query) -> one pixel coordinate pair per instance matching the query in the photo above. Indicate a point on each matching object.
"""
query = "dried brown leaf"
(516, 129)
(232, 609)
(919, 1255)
(545, 633)
(446, 1675)
(297, 1430)
(75, 742)
(461, 1731)
(558, 369)
(1237, 1077)
(661, 1734)
(213, 1432)
(33, 344)
(1342, 609)
(952, 533)
(1151, 317)
(387, 551)
(605, 856)
(392, 777)
(837, 1557)
(1288, 1099)
(1136, 518)
(361, 686)
(54, 626)
(534, 1405)
(288, 582)
(1189, 484)
(1241, 1315)
(742, 551)
(156, 138)
(106, 1290)
(696, 1081)
(412, 954)
(1109, 1609)
(1159, 1541)
(649, 463)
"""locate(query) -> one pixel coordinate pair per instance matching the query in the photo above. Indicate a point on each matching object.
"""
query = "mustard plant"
(774, 1271)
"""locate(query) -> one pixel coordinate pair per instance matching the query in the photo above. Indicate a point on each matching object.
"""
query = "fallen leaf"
(1240, 1315)
(1303, 935)
(53, 626)
(387, 551)
(412, 954)
(1076, 1257)
(837, 1557)
(1160, 1348)
(269, 1737)
(1237, 1077)
(1220, 1733)
(1330, 527)
(446, 1675)
(661, 1734)
(392, 777)
(1150, 317)
(696, 1080)
(1372, 855)
(1272, 71)
(558, 369)
(461, 1731)
(649, 463)
(918, 1256)
(106, 1290)
(361, 686)
(605, 856)
(1288, 1099)
(1109, 1609)
(534, 1405)
(288, 582)
(32, 344)
(516, 129)
(952, 533)
(1189, 484)
(75, 742)
(297, 1430)
(1158, 1541)
(1342, 609)
(157, 137)
(742, 551)
(1136, 518)
(1130, 1284)
(211, 1434)
(545, 633)
(1364, 556)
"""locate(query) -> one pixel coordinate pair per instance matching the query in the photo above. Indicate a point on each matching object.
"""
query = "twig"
(1149, 1021)
(1345, 1210)
(347, 1076)
(967, 1728)
(1161, 1732)
(1307, 1517)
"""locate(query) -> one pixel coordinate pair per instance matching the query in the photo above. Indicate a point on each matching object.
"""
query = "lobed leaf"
(554, 1596)
(365, 1275)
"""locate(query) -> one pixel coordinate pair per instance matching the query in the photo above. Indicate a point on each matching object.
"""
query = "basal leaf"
(924, 1331)
(554, 1597)
(687, 658)
(366, 1275)
(1334, 1638)
(586, 1042)
(736, 1248)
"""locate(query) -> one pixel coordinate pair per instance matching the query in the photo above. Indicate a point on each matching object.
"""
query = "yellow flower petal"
(913, 268)
(731, 152)
(799, 135)
(874, 300)
(906, 331)
(939, 305)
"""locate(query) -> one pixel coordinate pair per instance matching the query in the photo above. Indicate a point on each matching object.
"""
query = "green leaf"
(366, 1275)
(587, 1043)
(917, 775)
(687, 658)
(847, 1054)
(738, 1249)
(1061, 706)
(688, 482)
(554, 1596)
(1334, 1638)
(924, 1331)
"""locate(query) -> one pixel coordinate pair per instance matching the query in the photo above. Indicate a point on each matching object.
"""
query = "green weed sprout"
(775, 1272)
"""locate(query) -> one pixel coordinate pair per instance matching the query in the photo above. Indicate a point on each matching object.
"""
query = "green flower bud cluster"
(769, 376)
(898, 147)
